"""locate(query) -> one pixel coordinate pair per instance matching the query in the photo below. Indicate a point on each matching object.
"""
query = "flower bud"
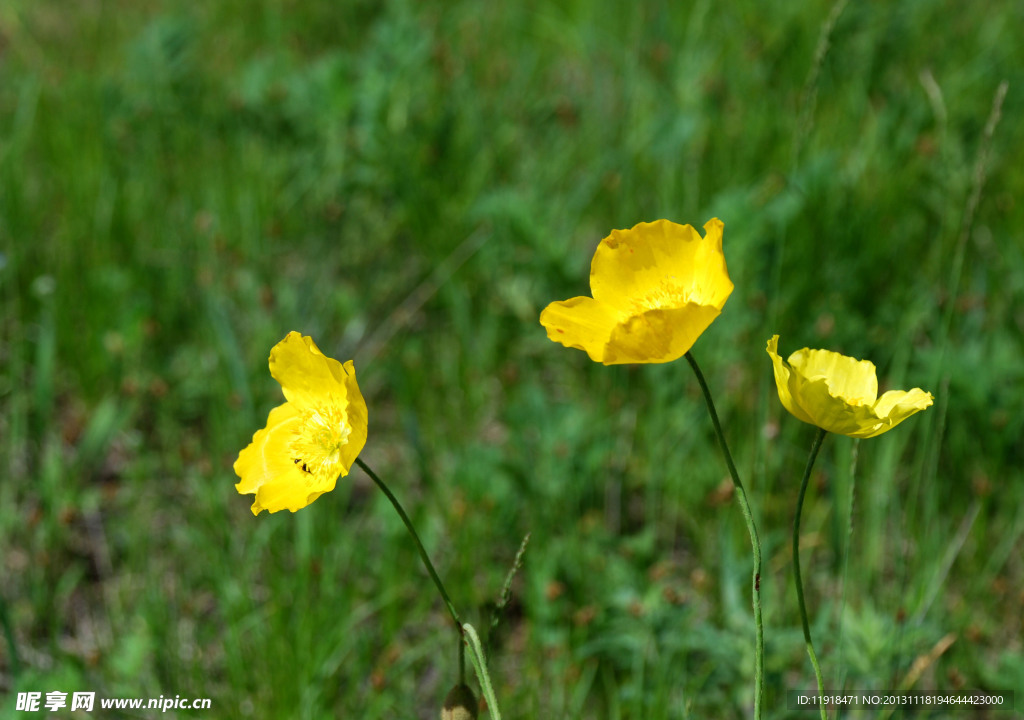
(460, 704)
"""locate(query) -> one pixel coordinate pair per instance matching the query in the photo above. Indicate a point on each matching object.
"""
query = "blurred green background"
(410, 183)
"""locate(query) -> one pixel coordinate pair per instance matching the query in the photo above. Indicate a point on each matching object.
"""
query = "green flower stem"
(423, 556)
(741, 495)
(818, 438)
(480, 665)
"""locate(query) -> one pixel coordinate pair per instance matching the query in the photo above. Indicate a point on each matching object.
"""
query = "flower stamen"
(668, 294)
(323, 432)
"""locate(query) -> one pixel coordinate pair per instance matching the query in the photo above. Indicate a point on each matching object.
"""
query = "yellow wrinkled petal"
(306, 375)
(835, 414)
(660, 264)
(267, 469)
(632, 263)
(658, 336)
(581, 323)
(897, 405)
(851, 379)
(786, 383)
(711, 281)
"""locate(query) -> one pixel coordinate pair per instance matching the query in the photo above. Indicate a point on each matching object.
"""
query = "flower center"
(316, 448)
(668, 293)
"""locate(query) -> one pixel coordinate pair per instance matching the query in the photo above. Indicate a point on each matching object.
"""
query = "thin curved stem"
(419, 545)
(741, 495)
(818, 438)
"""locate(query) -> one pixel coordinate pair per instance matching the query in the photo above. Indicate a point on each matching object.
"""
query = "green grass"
(181, 184)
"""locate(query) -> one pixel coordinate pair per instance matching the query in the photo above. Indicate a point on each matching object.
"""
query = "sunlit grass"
(181, 185)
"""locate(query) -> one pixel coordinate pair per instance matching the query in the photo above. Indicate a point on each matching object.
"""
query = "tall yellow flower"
(839, 393)
(311, 439)
(655, 289)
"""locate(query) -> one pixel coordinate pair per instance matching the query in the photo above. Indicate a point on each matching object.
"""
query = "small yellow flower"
(655, 289)
(311, 439)
(839, 393)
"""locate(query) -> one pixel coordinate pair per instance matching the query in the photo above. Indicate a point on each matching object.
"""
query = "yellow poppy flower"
(311, 439)
(839, 393)
(655, 289)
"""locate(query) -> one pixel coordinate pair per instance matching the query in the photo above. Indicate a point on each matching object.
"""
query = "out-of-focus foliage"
(181, 184)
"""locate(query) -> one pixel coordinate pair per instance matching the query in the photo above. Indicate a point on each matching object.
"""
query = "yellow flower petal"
(581, 323)
(658, 336)
(306, 375)
(837, 415)
(631, 264)
(656, 288)
(897, 405)
(660, 264)
(839, 393)
(358, 419)
(848, 378)
(310, 440)
(266, 468)
(787, 383)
